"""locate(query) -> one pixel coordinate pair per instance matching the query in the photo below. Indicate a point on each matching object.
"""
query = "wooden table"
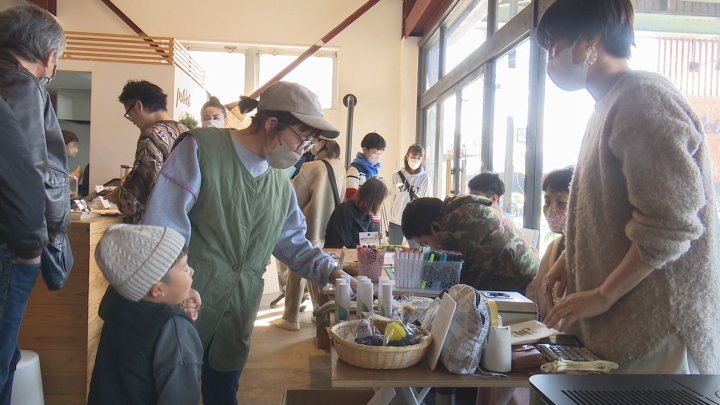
(63, 326)
(344, 375)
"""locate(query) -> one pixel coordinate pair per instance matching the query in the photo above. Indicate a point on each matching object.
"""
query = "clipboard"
(440, 327)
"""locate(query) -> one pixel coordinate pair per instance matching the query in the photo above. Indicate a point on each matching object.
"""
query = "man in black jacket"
(31, 41)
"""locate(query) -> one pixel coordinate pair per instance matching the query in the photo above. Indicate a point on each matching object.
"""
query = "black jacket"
(21, 198)
(345, 224)
(30, 103)
(149, 354)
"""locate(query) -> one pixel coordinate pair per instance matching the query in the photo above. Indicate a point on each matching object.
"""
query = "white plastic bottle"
(364, 296)
(342, 300)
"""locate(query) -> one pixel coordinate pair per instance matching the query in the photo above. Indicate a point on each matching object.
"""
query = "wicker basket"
(377, 357)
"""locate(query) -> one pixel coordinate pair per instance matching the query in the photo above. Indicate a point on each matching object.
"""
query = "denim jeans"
(16, 283)
(218, 387)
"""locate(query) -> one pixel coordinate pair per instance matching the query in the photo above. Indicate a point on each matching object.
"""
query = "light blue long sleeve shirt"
(178, 187)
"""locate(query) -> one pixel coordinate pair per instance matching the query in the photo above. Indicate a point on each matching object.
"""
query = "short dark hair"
(215, 103)
(31, 32)
(370, 196)
(418, 216)
(373, 140)
(558, 180)
(488, 183)
(69, 136)
(332, 148)
(151, 95)
(612, 20)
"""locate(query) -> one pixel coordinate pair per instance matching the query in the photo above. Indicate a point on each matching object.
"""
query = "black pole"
(350, 101)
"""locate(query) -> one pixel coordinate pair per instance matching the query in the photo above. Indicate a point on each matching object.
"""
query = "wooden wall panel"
(63, 326)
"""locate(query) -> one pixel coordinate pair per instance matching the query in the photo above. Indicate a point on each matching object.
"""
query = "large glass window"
(466, 33)
(508, 9)
(431, 158)
(431, 61)
(471, 122)
(509, 131)
(224, 73)
(315, 73)
(447, 147)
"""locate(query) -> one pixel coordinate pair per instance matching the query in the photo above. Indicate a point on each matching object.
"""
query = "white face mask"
(374, 158)
(564, 73)
(71, 151)
(414, 163)
(213, 124)
(281, 157)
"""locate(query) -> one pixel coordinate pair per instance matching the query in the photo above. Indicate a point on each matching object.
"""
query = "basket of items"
(380, 343)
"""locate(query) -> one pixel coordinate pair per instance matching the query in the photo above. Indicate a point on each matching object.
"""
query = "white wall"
(112, 137)
(374, 63)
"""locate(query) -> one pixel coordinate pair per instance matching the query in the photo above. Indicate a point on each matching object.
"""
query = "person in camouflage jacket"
(497, 256)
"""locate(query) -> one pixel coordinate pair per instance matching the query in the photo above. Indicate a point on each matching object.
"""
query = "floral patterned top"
(153, 147)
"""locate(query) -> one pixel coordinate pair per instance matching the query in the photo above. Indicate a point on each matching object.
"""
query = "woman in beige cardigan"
(556, 188)
(317, 200)
(640, 275)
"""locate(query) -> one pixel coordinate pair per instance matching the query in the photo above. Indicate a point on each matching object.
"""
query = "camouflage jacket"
(496, 254)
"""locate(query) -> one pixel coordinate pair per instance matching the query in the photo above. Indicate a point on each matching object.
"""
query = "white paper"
(440, 328)
(369, 239)
(530, 331)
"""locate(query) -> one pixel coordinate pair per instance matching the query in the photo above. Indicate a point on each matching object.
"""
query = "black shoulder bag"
(331, 175)
(413, 196)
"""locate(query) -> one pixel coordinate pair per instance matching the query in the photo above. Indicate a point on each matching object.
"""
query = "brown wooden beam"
(422, 15)
(414, 16)
(49, 5)
(130, 23)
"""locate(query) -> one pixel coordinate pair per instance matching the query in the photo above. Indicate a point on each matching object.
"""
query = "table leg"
(413, 397)
(444, 396)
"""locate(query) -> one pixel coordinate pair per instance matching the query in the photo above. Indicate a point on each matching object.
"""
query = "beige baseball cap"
(302, 103)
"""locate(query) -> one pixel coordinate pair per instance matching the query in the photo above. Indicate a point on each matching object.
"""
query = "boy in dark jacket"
(149, 352)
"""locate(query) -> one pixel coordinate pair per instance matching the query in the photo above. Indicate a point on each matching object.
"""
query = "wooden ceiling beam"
(420, 16)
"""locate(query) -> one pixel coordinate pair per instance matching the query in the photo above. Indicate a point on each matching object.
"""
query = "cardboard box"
(319, 396)
(513, 307)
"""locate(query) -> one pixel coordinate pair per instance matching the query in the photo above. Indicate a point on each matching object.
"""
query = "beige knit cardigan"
(644, 176)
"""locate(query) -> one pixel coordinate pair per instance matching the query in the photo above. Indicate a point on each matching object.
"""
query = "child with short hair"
(149, 351)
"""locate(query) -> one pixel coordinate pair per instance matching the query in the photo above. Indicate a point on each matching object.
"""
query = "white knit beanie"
(134, 257)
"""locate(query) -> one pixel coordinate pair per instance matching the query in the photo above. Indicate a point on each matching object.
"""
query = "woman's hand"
(191, 304)
(584, 304)
(555, 281)
(337, 273)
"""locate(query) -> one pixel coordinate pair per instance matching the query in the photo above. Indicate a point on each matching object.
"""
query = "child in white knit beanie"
(149, 350)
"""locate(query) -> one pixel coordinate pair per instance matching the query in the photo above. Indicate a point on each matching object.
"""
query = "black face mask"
(46, 80)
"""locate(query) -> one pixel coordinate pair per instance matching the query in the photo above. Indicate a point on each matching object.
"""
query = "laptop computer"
(617, 389)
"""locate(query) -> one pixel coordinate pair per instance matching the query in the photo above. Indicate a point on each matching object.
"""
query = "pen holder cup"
(441, 275)
(370, 263)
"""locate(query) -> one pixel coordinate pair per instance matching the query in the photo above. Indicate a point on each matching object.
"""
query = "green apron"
(236, 222)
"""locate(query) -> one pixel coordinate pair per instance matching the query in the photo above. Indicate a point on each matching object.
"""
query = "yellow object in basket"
(395, 331)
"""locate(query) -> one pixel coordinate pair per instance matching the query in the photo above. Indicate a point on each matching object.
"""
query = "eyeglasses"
(127, 112)
(304, 144)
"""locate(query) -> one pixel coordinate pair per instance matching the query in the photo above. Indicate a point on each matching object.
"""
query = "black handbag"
(56, 262)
